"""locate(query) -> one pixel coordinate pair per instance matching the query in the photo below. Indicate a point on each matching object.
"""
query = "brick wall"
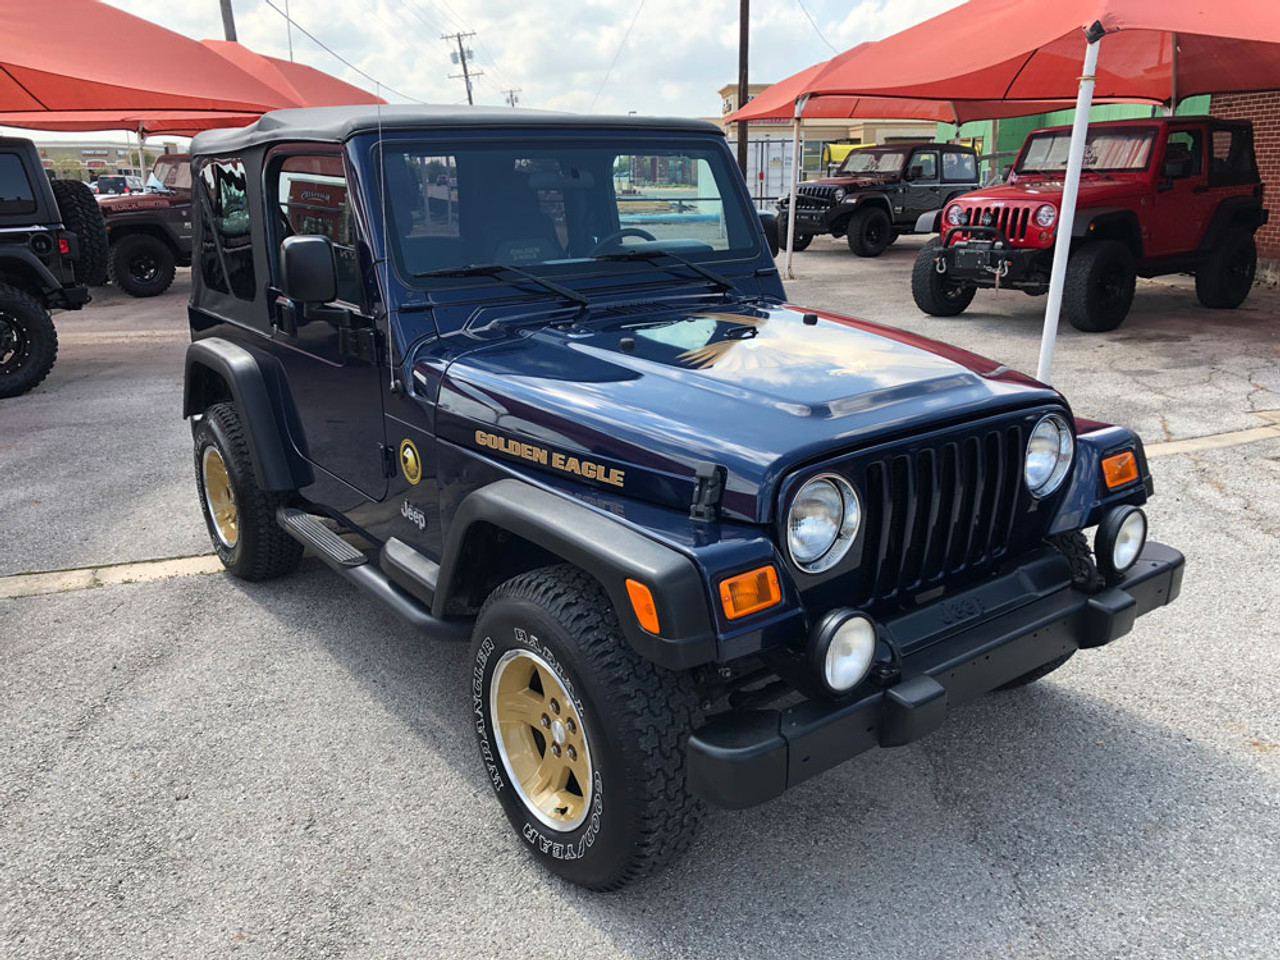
(1264, 110)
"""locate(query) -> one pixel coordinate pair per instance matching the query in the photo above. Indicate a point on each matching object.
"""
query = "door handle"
(1200, 189)
(286, 316)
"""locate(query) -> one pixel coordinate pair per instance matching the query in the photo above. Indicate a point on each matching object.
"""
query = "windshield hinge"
(708, 487)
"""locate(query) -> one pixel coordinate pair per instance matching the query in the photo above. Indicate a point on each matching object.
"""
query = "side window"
(16, 195)
(927, 162)
(226, 247)
(313, 199)
(1231, 160)
(1186, 147)
(959, 167)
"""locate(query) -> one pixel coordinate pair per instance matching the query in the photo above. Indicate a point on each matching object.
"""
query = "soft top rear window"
(16, 195)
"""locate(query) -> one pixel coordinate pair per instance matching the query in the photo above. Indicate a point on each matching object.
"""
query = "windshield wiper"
(651, 255)
(493, 269)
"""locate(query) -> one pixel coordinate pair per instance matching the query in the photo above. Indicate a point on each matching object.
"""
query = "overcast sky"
(677, 55)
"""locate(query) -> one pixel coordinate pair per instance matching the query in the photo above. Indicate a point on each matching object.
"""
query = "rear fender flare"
(217, 369)
(1232, 212)
(609, 550)
(25, 267)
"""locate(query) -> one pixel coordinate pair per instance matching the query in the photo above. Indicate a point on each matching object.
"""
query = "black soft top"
(336, 124)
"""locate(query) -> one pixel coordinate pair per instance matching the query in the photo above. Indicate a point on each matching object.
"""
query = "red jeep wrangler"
(1157, 196)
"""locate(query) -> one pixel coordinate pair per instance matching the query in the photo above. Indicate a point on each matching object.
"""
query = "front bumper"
(742, 758)
(815, 220)
(981, 259)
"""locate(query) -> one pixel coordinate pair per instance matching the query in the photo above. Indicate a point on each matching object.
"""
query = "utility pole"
(744, 29)
(228, 20)
(288, 28)
(512, 99)
(461, 58)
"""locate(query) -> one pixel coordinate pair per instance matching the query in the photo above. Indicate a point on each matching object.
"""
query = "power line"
(443, 24)
(337, 56)
(616, 55)
(512, 99)
(813, 23)
(463, 53)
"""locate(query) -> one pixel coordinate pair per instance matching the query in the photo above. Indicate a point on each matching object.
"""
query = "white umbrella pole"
(795, 180)
(1067, 214)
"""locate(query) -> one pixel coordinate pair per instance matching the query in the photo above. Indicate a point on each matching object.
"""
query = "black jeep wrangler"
(704, 544)
(52, 248)
(150, 233)
(879, 193)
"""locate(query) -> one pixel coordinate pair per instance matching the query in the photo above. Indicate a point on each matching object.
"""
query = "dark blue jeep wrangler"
(531, 379)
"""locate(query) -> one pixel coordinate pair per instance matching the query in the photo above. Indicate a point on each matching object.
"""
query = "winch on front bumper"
(985, 257)
(953, 651)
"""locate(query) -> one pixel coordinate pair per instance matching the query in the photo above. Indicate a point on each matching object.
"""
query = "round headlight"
(987, 218)
(1049, 453)
(955, 216)
(1046, 214)
(843, 649)
(839, 194)
(822, 523)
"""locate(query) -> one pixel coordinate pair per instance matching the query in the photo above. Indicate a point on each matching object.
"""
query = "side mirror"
(308, 270)
(770, 224)
(1177, 167)
(916, 172)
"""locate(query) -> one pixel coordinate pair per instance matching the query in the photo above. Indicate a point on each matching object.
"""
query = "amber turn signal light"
(646, 610)
(1120, 469)
(751, 591)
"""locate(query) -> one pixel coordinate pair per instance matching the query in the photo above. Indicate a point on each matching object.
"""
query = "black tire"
(799, 242)
(142, 265)
(28, 342)
(893, 238)
(260, 549)
(1031, 676)
(1099, 287)
(869, 231)
(82, 216)
(932, 291)
(636, 718)
(1226, 276)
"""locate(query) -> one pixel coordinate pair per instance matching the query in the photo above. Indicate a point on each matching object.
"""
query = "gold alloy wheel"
(219, 498)
(540, 739)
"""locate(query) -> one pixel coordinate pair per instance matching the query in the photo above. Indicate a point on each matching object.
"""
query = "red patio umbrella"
(1031, 49)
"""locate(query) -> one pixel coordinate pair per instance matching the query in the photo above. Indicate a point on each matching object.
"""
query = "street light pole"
(744, 30)
(228, 20)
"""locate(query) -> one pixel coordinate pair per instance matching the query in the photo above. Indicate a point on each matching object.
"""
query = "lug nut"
(570, 725)
(573, 754)
(555, 749)
(546, 721)
(555, 705)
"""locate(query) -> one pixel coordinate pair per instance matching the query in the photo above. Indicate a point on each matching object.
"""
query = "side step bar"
(354, 566)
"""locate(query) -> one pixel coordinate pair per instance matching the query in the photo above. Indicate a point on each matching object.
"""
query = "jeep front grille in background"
(1011, 221)
(817, 196)
(939, 511)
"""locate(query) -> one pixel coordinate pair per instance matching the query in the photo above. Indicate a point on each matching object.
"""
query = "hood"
(1094, 191)
(849, 183)
(638, 403)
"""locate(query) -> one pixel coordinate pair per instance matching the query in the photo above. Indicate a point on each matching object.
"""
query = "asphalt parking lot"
(194, 766)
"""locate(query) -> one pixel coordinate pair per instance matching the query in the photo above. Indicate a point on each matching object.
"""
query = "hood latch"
(708, 488)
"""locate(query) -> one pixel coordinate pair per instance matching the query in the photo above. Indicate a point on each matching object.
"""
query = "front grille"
(939, 511)
(817, 196)
(1011, 221)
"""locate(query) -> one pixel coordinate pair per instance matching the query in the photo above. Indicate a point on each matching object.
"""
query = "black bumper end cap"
(1107, 616)
(738, 761)
(911, 710)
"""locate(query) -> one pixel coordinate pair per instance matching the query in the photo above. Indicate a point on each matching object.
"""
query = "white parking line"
(85, 578)
(1215, 441)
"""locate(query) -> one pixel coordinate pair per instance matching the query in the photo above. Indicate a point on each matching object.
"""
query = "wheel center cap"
(557, 732)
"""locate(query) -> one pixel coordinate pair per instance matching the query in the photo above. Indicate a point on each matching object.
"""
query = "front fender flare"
(609, 550)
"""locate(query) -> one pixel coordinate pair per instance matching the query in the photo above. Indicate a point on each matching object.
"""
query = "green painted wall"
(1013, 130)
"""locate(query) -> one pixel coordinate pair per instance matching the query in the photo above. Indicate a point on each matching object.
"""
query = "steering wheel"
(613, 238)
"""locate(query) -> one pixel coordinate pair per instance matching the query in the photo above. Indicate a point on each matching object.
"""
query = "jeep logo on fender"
(557, 461)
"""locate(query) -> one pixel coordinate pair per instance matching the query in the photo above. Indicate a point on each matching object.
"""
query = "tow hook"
(940, 264)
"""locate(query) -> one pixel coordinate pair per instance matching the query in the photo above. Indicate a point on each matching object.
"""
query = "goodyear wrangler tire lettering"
(551, 673)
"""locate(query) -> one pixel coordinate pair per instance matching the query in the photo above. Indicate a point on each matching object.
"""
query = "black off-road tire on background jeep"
(1099, 287)
(142, 265)
(28, 342)
(799, 242)
(553, 633)
(82, 216)
(933, 292)
(869, 231)
(1225, 277)
(894, 236)
(258, 549)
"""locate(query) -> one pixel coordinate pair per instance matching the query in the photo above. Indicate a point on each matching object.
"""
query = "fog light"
(843, 648)
(1121, 536)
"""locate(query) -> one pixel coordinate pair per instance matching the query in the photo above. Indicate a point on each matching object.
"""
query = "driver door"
(1183, 203)
(330, 352)
(924, 192)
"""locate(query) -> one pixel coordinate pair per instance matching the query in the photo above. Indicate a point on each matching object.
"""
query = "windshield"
(888, 162)
(174, 173)
(1104, 150)
(552, 207)
(111, 184)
